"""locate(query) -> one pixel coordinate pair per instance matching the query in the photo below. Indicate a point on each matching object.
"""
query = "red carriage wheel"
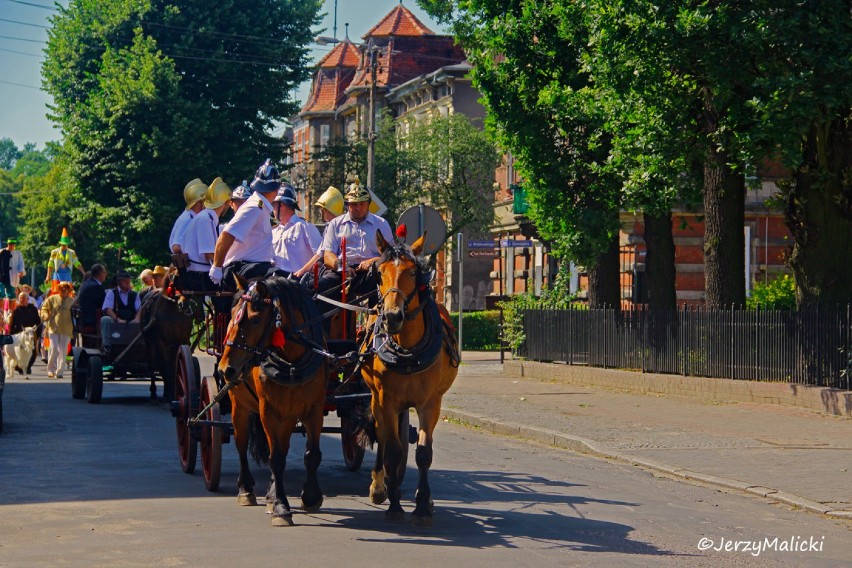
(353, 444)
(210, 437)
(185, 407)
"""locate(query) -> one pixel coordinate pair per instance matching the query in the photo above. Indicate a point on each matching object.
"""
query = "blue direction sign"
(510, 243)
(481, 244)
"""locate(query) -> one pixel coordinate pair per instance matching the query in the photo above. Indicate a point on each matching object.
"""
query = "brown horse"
(167, 324)
(274, 323)
(415, 363)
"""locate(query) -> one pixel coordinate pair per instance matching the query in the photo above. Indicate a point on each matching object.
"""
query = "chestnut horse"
(267, 352)
(416, 361)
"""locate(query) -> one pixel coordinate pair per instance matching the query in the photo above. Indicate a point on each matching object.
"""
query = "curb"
(585, 446)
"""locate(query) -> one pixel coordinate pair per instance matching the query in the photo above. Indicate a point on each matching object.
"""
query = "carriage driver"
(199, 241)
(121, 305)
(359, 227)
(244, 246)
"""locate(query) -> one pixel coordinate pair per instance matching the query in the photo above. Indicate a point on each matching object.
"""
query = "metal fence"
(809, 347)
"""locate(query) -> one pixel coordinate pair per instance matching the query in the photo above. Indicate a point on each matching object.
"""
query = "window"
(325, 134)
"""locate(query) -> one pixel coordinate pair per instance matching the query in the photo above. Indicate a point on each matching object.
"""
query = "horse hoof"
(313, 508)
(424, 521)
(378, 496)
(395, 516)
(282, 521)
(246, 500)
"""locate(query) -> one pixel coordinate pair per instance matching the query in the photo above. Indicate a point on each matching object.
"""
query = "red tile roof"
(328, 89)
(399, 22)
(344, 54)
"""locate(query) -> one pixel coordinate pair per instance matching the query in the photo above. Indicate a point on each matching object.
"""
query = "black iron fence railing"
(809, 347)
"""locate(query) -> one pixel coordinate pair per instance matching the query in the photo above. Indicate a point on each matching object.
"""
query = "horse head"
(255, 316)
(399, 274)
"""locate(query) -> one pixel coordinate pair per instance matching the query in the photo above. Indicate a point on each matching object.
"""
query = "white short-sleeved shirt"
(200, 238)
(295, 243)
(360, 237)
(179, 229)
(110, 303)
(251, 228)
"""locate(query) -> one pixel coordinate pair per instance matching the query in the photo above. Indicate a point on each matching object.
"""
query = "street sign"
(517, 244)
(481, 244)
(478, 253)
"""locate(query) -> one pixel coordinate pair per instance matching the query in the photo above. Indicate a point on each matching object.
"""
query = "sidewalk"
(795, 456)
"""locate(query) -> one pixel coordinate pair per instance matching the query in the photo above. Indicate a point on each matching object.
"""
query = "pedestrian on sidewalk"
(56, 314)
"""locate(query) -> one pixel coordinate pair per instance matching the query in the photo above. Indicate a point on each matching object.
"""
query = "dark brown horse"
(167, 324)
(267, 351)
(415, 363)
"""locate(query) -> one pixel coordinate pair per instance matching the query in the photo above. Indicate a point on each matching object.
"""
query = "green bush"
(556, 297)
(480, 330)
(779, 294)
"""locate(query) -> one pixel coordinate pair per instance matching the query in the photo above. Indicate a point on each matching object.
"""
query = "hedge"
(480, 330)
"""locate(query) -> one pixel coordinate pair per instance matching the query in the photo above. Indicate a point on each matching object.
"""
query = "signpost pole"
(460, 258)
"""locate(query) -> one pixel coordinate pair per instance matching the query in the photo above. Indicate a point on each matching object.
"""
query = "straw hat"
(158, 271)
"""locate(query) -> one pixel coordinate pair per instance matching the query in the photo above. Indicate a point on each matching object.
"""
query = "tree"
(451, 167)
(152, 94)
(529, 65)
(9, 153)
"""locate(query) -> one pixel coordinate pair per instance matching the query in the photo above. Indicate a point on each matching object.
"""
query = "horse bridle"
(258, 355)
(408, 297)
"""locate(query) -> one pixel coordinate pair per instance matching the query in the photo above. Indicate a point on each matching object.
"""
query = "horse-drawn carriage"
(345, 393)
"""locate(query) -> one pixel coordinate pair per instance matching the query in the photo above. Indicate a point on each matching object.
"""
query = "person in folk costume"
(202, 234)
(62, 261)
(193, 196)
(295, 241)
(56, 314)
(244, 246)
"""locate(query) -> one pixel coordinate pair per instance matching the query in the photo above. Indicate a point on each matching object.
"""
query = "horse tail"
(258, 444)
(365, 429)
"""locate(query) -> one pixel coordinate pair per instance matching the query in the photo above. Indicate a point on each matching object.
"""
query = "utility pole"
(371, 135)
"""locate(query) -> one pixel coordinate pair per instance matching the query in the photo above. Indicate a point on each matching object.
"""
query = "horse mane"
(400, 251)
(292, 294)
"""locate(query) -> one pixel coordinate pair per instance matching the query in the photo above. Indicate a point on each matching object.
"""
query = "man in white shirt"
(121, 305)
(294, 240)
(193, 195)
(199, 241)
(244, 246)
(359, 227)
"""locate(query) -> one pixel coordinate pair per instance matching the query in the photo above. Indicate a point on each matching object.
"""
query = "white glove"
(215, 274)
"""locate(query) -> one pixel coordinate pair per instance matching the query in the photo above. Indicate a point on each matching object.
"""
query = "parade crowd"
(265, 236)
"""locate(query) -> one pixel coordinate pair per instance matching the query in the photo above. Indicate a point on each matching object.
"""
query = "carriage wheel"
(95, 380)
(210, 437)
(353, 444)
(79, 373)
(185, 407)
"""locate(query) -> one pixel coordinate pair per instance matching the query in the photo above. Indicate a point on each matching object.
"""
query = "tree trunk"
(724, 241)
(660, 262)
(605, 278)
(818, 212)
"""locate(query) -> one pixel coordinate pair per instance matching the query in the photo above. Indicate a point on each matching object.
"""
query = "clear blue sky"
(23, 106)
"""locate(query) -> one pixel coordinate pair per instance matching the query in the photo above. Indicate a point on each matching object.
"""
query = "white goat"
(19, 352)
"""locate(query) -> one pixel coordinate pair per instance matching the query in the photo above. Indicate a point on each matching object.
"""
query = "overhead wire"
(33, 4)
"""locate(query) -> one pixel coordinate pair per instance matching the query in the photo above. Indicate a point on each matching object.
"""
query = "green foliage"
(556, 297)
(152, 93)
(480, 330)
(779, 294)
(9, 153)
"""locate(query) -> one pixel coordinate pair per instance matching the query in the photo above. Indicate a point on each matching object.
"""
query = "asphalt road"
(100, 485)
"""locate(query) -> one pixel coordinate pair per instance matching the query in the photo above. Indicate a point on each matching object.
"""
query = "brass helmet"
(332, 200)
(217, 195)
(194, 192)
(357, 193)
